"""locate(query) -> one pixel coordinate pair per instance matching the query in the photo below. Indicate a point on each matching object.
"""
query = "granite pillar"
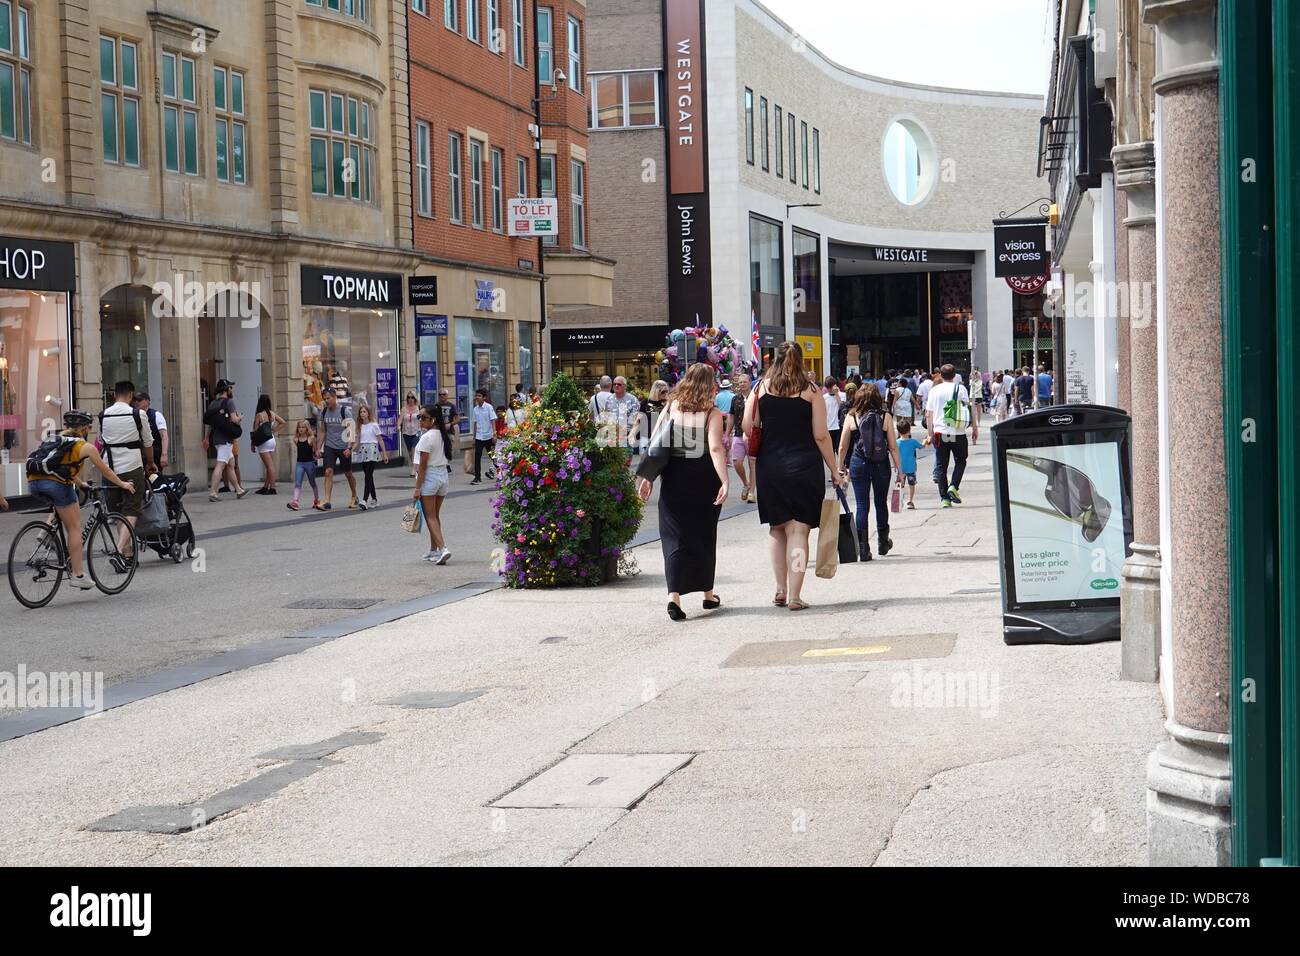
(1122, 395)
(1188, 775)
(1135, 175)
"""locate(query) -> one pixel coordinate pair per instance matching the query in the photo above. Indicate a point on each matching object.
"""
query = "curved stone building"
(849, 212)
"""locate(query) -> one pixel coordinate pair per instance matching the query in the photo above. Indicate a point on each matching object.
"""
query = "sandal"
(779, 599)
(798, 605)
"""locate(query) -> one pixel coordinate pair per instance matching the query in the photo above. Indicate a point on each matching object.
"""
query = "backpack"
(218, 419)
(872, 445)
(47, 459)
(157, 435)
(954, 415)
(138, 444)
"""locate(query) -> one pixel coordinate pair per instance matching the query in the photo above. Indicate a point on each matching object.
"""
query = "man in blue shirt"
(1044, 386)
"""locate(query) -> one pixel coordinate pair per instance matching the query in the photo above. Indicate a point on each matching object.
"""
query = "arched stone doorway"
(234, 333)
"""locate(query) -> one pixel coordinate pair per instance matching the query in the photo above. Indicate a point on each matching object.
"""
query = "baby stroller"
(164, 524)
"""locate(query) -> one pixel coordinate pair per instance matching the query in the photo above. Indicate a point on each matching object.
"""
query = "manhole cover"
(333, 604)
(839, 651)
(596, 780)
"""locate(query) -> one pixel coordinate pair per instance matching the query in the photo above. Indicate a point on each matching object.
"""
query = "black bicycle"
(38, 557)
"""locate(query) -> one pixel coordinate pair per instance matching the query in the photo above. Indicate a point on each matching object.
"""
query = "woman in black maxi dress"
(694, 487)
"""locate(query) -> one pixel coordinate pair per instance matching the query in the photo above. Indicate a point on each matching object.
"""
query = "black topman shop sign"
(347, 288)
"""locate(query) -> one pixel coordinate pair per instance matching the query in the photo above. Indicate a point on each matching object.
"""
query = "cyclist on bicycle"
(52, 474)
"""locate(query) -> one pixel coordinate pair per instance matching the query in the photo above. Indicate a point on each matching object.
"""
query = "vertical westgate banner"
(690, 285)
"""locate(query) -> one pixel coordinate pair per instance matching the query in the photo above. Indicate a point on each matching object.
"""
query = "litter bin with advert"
(1062, 479)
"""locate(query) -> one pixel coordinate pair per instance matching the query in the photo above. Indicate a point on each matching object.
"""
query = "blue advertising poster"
(428, 382)
(462, 395)
(428, 326)
(386, 405)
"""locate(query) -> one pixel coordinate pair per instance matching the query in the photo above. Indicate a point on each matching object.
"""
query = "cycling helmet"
(77, 419)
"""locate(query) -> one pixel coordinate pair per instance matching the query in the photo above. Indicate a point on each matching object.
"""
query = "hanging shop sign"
(531, 218)
(1027, 285)
(1020, 251)
(422, 290)
(42, 266)
(690, 284)
(345, 288)
(1063, 488)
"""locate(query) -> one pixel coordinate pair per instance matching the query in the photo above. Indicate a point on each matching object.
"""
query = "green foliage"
(564, 396)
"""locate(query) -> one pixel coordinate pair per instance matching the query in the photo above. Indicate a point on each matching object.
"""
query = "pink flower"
(520, 538)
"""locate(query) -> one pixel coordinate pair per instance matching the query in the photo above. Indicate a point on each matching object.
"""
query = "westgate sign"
(894, 254)
(690, 281)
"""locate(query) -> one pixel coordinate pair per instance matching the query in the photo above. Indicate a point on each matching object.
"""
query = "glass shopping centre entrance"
(896, 308)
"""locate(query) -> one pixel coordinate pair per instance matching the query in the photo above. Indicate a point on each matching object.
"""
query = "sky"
(999, 45)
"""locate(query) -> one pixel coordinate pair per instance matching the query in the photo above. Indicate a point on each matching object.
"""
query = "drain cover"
(333, 604)
(596, 780)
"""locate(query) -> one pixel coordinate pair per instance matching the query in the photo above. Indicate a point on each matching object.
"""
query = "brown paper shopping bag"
(828, 539)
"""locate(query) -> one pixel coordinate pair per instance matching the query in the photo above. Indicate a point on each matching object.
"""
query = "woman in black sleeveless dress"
(694, 487)
(796, 450)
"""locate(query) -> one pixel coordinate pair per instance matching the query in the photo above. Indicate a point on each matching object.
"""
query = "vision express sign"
(1020, 251)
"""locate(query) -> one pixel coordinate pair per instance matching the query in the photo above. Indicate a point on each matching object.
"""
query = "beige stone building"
(210, 190)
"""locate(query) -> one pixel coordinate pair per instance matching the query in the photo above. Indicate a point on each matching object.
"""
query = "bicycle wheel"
(109, 567)
(36, 564)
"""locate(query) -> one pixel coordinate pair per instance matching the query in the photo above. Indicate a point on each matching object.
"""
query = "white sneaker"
(444, 557)
(433, 556)
(82, 583)
(362, 505)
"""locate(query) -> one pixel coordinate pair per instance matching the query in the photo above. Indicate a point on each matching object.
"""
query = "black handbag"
(659, 450)
(848, 544)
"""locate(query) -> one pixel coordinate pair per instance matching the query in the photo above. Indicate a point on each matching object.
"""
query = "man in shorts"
(221, 413)
(336, 439)
(737, 444)
(128, 448)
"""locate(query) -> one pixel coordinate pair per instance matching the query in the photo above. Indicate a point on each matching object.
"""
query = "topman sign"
(348, 288)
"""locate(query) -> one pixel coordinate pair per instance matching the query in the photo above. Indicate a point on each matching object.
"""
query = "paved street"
(258, 558)
(888, 724)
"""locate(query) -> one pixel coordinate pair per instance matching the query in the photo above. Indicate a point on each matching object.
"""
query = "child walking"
(305, 440)
(907, 450)
(369, 453)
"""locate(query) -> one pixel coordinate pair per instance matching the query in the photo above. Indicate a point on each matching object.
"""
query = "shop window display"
(344, 349)
(34, 377)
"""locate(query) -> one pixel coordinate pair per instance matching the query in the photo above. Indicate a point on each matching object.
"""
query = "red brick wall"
(457, 84)
(565, 118)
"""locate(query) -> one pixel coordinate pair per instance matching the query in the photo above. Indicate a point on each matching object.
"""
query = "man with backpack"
(947, 417)
(220, 429)
(128, 449)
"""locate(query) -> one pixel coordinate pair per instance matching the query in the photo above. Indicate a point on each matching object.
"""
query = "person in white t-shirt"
(948, 422)
(833, 399)
(431, 478)
(128, 449)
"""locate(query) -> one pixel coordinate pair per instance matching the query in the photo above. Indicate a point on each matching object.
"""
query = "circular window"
(909, 162)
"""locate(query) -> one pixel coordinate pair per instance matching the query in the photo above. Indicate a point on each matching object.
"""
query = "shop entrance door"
(230, 346)
(139, 346)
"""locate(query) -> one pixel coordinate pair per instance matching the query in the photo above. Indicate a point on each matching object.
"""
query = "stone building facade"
(256, 166)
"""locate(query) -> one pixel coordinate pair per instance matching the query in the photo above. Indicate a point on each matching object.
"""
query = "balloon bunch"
(712, 345)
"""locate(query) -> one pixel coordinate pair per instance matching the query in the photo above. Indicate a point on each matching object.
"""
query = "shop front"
(37, 282)
(1026, 311)
(629, 351)
(350, 343)
(474, 330)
